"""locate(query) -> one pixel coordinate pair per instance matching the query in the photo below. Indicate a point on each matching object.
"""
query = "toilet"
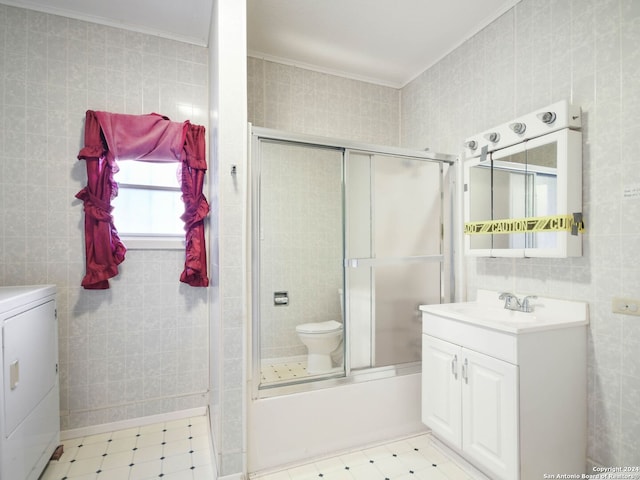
(321, 339)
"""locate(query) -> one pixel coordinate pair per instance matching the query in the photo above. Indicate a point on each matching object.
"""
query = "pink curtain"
(103, 249)
(194, 167)
(109, 137)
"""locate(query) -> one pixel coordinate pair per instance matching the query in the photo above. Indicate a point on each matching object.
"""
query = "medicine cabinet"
(523, 187)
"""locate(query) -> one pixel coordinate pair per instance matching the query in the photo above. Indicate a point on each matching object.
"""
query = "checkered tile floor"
(175, 450)
(415, 458)
(179, 450)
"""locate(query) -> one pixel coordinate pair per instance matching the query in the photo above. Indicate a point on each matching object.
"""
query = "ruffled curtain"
(103, 249)
(194, 167)
(110, 136)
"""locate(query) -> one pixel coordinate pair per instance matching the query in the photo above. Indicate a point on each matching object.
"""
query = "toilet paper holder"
(280, 299)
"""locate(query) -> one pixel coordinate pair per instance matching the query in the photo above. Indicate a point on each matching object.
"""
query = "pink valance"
(109, 137)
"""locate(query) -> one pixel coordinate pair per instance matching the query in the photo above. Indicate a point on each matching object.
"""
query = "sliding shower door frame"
(259, 135)
(372, 261)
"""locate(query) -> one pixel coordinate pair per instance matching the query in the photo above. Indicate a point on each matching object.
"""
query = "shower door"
(394, 242)
(300, 250)
(340, 233)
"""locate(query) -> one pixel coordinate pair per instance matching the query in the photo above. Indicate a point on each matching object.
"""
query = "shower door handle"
(454, 366)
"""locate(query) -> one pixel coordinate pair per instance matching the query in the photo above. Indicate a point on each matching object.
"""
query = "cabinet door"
(441, 407)
(490, 414)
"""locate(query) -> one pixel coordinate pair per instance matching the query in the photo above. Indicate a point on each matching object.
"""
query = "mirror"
(542, 191)
(478, 204)
(528, 181)
(525, 181)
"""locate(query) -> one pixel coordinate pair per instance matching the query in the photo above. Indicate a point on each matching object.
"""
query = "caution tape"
(555, 223)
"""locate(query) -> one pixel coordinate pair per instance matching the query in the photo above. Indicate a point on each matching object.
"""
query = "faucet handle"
(508, 299)
(525, 303)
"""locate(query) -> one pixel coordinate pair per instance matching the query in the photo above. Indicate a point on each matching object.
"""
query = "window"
(149, 204)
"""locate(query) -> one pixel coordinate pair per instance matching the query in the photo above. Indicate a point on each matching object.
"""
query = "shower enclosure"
(360, 234)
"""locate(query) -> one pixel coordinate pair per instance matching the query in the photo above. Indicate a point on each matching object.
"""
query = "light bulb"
(518, 127)
(547, 117)
(492, 137)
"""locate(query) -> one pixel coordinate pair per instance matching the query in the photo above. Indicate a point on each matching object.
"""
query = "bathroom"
(112, 366)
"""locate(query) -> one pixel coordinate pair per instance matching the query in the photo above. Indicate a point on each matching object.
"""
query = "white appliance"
(29, 402)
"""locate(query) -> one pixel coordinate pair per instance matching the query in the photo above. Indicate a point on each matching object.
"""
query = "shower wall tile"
(540, 52)
(124, 352)
(302, 209)
(296, 100)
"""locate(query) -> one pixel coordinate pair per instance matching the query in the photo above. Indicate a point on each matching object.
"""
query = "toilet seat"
(329, 326)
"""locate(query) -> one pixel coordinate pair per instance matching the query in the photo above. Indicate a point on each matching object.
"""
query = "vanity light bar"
(545, 120)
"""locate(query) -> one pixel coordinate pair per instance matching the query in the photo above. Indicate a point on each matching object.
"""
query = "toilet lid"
(320, 327)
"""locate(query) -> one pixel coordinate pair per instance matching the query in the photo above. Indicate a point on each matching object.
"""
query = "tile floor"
(415, 458)
(175, 450)
(283, 371)
(179, 450)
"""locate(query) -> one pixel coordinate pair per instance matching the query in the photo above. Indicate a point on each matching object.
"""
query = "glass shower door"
(394, 217)
(300, 251)
(348, 234)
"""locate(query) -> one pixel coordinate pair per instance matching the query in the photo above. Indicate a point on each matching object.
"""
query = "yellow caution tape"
(554, 223)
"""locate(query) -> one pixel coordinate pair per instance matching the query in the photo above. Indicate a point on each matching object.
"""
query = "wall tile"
(600, 47)
(297, 100)
(122, 341)
(629, 28)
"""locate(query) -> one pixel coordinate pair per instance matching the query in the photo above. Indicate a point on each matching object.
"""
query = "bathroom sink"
(491, 313)
(488, 311)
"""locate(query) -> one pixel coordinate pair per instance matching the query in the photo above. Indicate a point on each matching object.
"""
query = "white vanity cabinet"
(510, 398)
(471, 402)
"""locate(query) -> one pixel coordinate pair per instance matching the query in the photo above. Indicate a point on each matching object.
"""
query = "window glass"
(165, 174)
(149, 200)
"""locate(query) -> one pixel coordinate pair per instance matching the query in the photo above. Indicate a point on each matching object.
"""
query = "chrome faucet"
(525, 305)
(512, 302)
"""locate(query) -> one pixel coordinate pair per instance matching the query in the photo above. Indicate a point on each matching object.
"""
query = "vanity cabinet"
(508, 395)
(471, 402)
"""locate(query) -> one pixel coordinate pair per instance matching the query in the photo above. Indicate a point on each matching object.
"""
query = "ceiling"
(184, 20)
(388, 42)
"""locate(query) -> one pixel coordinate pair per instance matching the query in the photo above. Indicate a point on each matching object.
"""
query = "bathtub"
(295, 428)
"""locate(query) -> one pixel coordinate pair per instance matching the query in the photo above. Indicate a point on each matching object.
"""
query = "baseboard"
(131, 423)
